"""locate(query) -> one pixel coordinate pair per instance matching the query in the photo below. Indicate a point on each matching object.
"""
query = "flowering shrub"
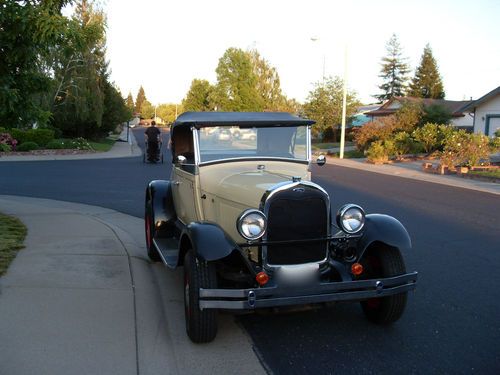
(465, 149)
(428, 136)
(6, 139)
(80, 144)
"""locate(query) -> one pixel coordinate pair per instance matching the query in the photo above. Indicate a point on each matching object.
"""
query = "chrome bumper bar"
(255, 298)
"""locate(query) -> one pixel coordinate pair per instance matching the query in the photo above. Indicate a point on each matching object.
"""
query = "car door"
(183, 190)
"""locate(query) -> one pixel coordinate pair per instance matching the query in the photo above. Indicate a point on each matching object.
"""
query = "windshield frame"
(197, 153)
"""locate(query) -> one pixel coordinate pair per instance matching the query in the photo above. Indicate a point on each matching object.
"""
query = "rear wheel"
(150, 233)
(384, 262)
(201, 325)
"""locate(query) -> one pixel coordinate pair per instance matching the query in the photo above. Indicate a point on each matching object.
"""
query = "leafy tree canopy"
(198, 96)
(324, 105)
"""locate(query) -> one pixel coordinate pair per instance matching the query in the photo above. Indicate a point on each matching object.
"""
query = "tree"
(267, 83)
(29, 29)
(115, 109)
(147, 110)
(236, 88)
(394, 72)
(130, 102)
(324, 105)
(437, 114)
(167, 112)
(427, 82)
(80, 73)
(141, 98)
(198, 96)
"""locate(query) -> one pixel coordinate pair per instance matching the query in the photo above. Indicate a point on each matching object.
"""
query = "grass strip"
(491, 173)
(103, 145)
(12, 234)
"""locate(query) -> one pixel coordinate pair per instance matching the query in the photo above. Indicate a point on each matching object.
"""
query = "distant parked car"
(253, 231)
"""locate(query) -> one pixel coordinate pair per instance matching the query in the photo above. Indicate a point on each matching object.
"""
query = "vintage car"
(253, 231)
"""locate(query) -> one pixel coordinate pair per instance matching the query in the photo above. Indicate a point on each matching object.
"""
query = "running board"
(168, 248)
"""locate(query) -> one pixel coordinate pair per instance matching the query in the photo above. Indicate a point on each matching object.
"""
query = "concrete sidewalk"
(82, 298)
(119, 150)
(413, 171)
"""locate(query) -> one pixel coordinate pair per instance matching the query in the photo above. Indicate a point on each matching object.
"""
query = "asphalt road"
(451, 324)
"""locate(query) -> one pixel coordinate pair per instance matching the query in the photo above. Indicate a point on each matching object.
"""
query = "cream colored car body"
(221, 192)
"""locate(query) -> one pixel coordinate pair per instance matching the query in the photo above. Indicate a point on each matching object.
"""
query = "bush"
(428, 137)
(39, 136)
(80, 144)
(436, 114)
(404, 144)
(19, 135)
(379, 151)
(409, 116)
(465, 149)
(497, 133)
(6, 139)
(377, 130)
(55, 145)
(4, 147)
(27, 146)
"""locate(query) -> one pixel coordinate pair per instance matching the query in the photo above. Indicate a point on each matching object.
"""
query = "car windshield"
(229, 142)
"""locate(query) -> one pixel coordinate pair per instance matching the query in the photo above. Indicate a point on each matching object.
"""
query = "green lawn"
(492, 173)
(103, 145)
(12, 234)
(353, 154)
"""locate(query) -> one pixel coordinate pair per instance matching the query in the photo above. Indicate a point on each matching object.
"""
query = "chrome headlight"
(351, 218)
(252, 224)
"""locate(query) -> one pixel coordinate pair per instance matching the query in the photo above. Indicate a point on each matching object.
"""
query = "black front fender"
(159, 196)
(209, 241)
(385, 229)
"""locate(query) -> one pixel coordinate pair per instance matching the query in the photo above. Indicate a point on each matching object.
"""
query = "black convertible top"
(242, 119)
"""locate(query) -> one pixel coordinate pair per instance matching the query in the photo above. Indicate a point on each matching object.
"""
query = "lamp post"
(344, 107)
(315, 39)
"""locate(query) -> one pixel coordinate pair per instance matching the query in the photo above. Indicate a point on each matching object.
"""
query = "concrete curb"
(82, 297)
(399, 171)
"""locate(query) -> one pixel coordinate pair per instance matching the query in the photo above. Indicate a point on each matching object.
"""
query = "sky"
(163, 45)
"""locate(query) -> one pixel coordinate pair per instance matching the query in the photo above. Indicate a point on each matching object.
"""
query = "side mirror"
(180, 160)
(321, 160)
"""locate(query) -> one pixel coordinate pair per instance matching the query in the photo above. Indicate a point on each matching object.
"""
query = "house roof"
(481, 100)
(243, 119)
(456, 108)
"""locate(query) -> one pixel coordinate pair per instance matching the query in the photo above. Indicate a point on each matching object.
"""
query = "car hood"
(246, 184)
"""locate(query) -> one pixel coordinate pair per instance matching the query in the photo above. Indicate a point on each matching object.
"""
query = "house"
(360, 118)
(486, 113)
(460, 118)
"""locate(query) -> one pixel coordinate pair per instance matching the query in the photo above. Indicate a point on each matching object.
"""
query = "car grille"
(297, 214)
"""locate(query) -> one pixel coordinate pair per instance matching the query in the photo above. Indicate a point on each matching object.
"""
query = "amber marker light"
(357, 269)
(262, 278)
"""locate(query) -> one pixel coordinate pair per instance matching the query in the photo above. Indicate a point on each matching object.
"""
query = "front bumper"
(256, 298)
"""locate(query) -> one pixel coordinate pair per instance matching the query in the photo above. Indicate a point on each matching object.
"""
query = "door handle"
(176, 183)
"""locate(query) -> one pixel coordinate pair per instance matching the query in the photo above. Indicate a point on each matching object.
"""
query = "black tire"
(150, 233)
(384, 262)
(201, 325)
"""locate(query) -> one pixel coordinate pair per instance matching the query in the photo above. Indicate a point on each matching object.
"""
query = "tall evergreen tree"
(129, 102)
(427, 82)
(141, 98)
(394, 72)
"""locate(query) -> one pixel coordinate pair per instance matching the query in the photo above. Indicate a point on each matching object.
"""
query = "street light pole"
(344, 107)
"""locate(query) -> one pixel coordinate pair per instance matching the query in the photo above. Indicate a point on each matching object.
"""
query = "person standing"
(153, 138)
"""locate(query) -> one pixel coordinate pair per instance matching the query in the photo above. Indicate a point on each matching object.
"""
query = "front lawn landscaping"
(12, 234)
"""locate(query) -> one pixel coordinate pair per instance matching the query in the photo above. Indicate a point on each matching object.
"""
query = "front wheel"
(384, 262)
(201, 325)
